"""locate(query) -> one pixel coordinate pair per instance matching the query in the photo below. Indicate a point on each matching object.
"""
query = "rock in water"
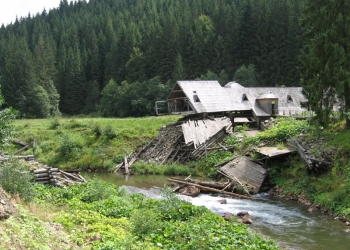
(244, 217)
(190, 191)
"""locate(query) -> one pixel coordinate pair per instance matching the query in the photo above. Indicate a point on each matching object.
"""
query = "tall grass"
(87, 143)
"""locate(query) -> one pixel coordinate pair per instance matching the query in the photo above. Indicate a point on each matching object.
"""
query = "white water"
(287, 222)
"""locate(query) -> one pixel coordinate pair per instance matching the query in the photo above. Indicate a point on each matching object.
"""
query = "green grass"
(329, 187)
(87, 143)
(125, 222)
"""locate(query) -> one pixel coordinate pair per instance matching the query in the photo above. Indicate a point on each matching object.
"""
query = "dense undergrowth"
(329, 188)
(100, 215)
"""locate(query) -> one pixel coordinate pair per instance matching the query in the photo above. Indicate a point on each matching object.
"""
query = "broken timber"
(311, 162)
(183, 141)
(207, 188)
(248, 173)
(56, 177)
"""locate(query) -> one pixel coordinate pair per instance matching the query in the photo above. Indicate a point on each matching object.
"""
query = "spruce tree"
(325, 58)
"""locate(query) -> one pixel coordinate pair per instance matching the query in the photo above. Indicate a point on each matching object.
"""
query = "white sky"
(9, 9)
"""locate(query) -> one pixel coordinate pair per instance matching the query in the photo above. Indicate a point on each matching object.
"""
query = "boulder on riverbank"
(244, 217)
(6, 206)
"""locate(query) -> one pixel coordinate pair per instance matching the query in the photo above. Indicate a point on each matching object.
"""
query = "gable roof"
(207, 96)
(211, 97)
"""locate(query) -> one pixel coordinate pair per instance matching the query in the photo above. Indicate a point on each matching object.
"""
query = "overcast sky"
(9, 9)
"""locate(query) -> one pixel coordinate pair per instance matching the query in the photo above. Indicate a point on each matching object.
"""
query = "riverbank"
(100, 215)
(96, 144)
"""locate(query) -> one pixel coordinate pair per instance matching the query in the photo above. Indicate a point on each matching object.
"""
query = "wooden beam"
(210, 189)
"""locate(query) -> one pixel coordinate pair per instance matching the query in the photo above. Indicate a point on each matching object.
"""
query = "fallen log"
(203, 183)
(22, 149)
(71, 176)
(209, 189)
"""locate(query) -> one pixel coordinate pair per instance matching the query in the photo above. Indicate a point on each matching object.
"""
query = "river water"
(287, 222)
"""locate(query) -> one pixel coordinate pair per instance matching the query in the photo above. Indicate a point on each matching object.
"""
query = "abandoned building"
(233, 100)
(210, 112)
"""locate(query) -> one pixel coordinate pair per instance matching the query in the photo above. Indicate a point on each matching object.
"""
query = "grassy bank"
(99, 215)
(87, 143)
(329, 188)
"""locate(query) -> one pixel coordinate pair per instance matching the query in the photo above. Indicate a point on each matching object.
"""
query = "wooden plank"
(22, 149)
(71, 176)
(210, 189)
(126, 165)
(245, 171)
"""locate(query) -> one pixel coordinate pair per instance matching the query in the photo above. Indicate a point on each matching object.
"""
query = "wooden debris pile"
(227, 188)
(305, 152)
(183, 141)
(243, 170)
(5, 157)
(56, 177)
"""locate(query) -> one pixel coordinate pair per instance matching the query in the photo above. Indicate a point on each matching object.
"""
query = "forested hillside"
(117, 57)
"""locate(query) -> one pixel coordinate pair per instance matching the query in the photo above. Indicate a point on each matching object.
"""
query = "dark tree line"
(116, 57)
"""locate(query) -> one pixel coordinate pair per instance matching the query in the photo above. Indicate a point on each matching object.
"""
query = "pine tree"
(325, 57)
(46, 70)
(179, 70)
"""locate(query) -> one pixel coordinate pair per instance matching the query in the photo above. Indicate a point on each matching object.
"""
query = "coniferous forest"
(117, 57)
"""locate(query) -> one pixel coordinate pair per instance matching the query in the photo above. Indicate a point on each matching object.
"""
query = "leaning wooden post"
(126, 165)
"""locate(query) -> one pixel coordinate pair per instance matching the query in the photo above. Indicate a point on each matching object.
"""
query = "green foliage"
(109, 133)
(145, 222)
(98, 190)
(137, 222)
(246, 76)
(325, 73)
(46, 62)
(88, 143)
(55, 123)
(69, 146)
(241, 128)
(207, 165)
(284, 128)
(24, 230)
(15, 178)
(6, 117)
(221, 77)
(141, 167)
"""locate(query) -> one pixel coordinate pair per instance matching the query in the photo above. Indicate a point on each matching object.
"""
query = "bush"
(145, 221)
(15, 178)
(109, 133)
(54, 123)
(98, 190)
(68, 146)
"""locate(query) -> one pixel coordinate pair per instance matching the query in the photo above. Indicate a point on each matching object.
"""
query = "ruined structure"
(210, 112)
(204, 98)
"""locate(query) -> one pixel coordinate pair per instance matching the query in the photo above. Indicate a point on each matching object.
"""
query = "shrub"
(177, 170)
(145, 221)
(15, 178)
(98, 190)
(54, 123)
(68, 146)
(109, 133)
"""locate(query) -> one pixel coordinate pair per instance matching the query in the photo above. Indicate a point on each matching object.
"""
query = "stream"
(287, 222)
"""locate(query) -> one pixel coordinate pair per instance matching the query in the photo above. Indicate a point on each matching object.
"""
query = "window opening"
(196, 98)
